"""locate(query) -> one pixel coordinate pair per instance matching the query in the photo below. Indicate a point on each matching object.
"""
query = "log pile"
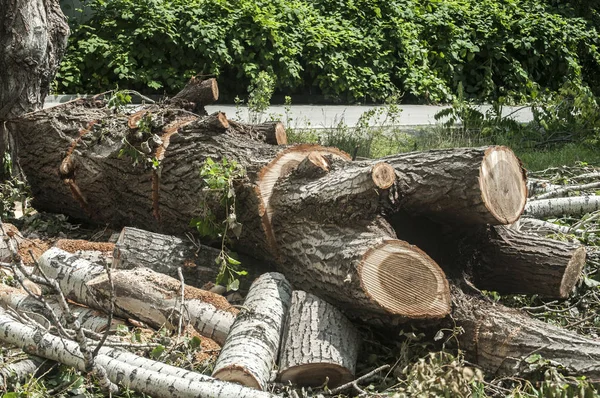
(383, 243)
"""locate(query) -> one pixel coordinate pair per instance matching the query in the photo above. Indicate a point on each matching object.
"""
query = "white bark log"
(319, 342)
(575, 206)
(19, 371)
(154, 298)
(136, 296)
(125, 373)
(23, 303)
(250, 351)
(535, 186)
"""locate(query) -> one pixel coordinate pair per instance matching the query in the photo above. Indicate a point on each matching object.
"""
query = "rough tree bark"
(356, 263)
(166, 253)
(250, 351)
(499, 339)
(510, 262)
(33, 38)
(319, 343)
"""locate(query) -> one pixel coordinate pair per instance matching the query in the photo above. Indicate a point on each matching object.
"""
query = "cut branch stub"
(467, 185)
(197, 93)
(319, 343)
(272, 133)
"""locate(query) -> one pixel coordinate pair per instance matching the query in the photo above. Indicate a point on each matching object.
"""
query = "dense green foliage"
(345, 50)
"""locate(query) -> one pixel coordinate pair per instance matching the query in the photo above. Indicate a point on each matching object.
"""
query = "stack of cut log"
(342, 232)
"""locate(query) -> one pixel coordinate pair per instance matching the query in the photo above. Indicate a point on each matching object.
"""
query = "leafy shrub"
(346, 50)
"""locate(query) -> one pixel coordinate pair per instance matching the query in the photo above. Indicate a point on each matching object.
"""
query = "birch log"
(250, 351)
(558, 207)
(19, 371)
(127, 373)
(23, 303)
(319, 344)
(155, 299)
(140, 294)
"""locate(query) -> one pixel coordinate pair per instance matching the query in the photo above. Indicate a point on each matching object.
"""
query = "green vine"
(218, 178)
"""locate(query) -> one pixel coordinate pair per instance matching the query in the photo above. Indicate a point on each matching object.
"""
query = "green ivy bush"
(345, 50)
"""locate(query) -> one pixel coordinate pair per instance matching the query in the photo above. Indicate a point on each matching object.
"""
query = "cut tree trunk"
(500, 339)
(18, 372)
(270, 132)
(498, 258)
(319, 344)
(23, 303)
(136, 373)
(509, 262)
(558, 207)
(166, 253)
(358, 265)
(140, 294)
(33, 39)
(250, 351)
(467, 185)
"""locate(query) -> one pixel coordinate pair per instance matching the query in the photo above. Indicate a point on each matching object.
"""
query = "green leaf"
(157, 351)
(195, 342)
(233, 261)
(533, 358)
(234, 285)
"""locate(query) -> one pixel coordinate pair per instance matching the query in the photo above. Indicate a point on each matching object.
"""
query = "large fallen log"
(500, 339)
(128, 372)
(250, 351)
(140, 294)
(319, 344)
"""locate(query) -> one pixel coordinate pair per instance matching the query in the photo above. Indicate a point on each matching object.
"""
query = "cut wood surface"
(250, 351)
(133, 372)
(513, 262)
(319, 344)
(23, 303)
(140, 294)
(166, 253)
(499, 339)
(558, 207)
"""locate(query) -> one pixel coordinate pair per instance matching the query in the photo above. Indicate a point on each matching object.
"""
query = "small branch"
(562, 190)
(182, 303)
(354, 383)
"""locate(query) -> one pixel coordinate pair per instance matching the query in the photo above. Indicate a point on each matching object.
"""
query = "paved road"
(324, 116)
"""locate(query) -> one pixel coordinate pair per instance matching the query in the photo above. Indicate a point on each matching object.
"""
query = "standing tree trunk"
(33, 38)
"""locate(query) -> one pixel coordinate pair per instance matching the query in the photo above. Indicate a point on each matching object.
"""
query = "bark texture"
(20, 371)
(140, 294)
(127, 372)
(166, 253)
(250, 351)
(467, 185)
(33, 38)
(499, 339)
(319, 343)
(513, 262)
(196, 94)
